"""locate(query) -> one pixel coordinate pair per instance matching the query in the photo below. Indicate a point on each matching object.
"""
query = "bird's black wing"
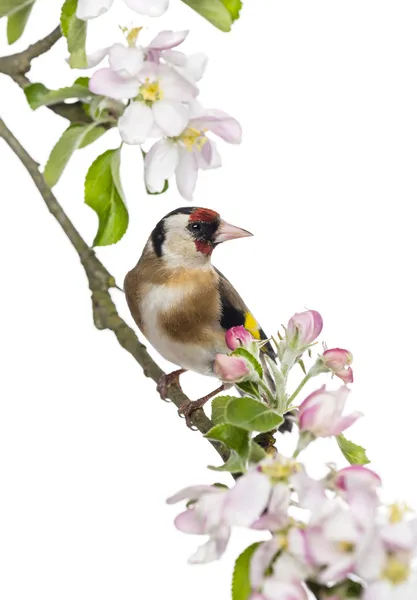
(235, 312)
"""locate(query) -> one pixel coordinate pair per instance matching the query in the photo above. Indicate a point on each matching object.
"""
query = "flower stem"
(299, 388)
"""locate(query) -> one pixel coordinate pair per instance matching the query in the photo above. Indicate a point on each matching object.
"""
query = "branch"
(100, 281)
(20, 62)
(17, 65)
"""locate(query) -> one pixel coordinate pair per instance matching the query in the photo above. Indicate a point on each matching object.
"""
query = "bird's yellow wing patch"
(252, 326)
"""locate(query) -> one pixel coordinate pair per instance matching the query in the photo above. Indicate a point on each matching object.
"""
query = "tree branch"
(17, 65)
(100, 281)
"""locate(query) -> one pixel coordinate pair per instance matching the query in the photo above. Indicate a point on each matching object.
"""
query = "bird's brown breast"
(193, 315)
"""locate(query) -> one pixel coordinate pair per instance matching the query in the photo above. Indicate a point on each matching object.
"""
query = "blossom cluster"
(331, 534)
(157, 85)
(322, 530)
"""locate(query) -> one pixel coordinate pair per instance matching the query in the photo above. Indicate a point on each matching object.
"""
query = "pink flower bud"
(237, 337)
(303, 328)
(321, 413)
(338, 361)
(231, 368)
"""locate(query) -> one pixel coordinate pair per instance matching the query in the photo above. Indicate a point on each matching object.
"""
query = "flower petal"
(220, 123)
(213, 549)
(280, 590)
(247, 500)
(174, 86)
(96, 57)
(151, 8)
(178, 59)
(261, 560)
(90, 9)
(186, 174)
(191, 493)
(135, 123)
(167, 39)
(195, 67)
(189, 522)
(170, 116)
(105, 82)
(160, 164)
(208, 157)
(125, 61)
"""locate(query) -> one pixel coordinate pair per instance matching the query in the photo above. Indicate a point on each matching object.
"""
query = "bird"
(181, 303)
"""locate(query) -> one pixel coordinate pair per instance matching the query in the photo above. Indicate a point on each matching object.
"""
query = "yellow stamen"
(395, 570)
(397, 512)
(151, 91)
(131, 35)
(346, 547)
(279, 470)
(193, 138)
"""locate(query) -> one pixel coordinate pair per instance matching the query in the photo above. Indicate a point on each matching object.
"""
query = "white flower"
(90, 9)
(190, 151)
(161, 96)
(215, 510)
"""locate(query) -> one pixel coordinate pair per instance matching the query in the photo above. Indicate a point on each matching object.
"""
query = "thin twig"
(100, 282)
(17, 65)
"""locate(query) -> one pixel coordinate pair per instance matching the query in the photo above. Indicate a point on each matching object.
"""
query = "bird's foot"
(166, 381)
(188, 408)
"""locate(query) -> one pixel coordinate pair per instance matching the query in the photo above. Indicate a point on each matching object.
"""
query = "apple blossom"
(191, 150)
(321, 413)
(160, 105)
(215, 510)
(338, 361)
(303, 328)
(90, 9)
(232, 368)
(239, 336)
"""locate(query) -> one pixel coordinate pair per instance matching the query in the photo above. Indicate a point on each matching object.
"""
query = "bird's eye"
(196, 226)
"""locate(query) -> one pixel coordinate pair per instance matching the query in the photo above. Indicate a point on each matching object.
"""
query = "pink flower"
(321, 413)
(232, 368)
(303, 328)
(214, 511)
(237, 337)
(338, 361)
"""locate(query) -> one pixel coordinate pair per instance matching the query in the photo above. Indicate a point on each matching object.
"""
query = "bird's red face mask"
(208, 230)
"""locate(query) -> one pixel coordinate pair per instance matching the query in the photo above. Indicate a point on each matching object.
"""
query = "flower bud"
(237, 337)
(232, 369)
(303, 328)
(338, 361)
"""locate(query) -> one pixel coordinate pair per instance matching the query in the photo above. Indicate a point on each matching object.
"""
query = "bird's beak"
(226, 231)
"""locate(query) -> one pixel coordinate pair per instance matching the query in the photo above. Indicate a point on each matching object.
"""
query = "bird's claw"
(165, 382)
(186, 410)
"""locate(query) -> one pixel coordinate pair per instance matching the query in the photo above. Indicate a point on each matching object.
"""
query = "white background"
(326, 93)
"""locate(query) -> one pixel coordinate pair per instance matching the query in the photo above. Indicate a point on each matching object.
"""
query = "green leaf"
(252, 415)
(249, 387)
(16, 22)
(218, 407)
(256, 453)
(238, 442)
(9, 7)
(220, 13)
(241, 585)
(234, 464)
(250, 358)
(75, 30)
(104, 194)
(354, 454)
(38, 95)
(76, 136)
(233, 437)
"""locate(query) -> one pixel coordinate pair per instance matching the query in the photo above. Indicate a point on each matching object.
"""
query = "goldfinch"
(181, 303)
